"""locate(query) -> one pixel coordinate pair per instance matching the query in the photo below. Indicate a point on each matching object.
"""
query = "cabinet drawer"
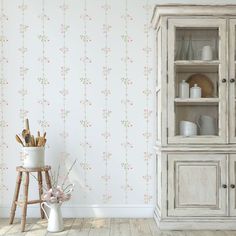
(195, 184)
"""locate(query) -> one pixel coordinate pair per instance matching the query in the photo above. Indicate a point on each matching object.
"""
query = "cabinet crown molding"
(170, 10)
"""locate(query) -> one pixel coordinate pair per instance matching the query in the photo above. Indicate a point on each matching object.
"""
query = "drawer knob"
(232, 80)
(232, 186)
(223, 80)
(224, 186)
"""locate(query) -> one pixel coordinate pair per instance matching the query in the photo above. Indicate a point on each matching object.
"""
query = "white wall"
(114, 174)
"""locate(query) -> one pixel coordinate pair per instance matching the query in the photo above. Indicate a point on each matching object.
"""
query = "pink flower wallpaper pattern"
(64, 73)
(3, 104)
(44, 61)
(147, 70)
(106, 110)
(86, 82)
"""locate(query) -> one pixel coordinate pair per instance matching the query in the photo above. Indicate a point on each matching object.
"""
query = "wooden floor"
(101, 227)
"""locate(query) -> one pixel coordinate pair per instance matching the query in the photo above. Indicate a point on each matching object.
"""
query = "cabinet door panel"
(186, 62)
(195, 185)
(232, 181)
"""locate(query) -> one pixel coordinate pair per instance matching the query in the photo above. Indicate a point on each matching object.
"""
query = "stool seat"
(23, 169)
(26, 171)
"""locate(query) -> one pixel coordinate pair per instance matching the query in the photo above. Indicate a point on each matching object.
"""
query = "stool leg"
(40, 184)
(15, 198)
(24, 207)
(48, 180)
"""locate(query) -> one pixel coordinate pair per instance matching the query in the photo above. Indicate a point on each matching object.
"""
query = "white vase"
(33, 157)
(55, 221)
(207, 53)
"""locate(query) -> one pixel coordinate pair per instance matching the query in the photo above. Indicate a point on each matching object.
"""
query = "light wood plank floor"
(101, 227)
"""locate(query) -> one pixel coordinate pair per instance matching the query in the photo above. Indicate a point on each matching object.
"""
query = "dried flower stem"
(67, 174)
(58, 171)
(37, 181)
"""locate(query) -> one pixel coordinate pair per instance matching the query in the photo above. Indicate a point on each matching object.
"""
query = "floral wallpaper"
(43, 60)
(3, 103)
(83, 72)
(106, 110)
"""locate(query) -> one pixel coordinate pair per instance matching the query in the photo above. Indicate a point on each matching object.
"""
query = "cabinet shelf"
(196, 101)
(197, 66)
(195, 136)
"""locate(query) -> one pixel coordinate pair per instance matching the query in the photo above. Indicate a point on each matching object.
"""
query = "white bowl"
(187, 128)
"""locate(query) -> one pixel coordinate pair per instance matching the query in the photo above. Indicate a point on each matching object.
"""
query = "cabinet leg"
(24, 207)
(15, 197)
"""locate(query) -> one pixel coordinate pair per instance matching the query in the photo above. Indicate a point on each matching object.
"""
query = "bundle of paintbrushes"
(28, 140)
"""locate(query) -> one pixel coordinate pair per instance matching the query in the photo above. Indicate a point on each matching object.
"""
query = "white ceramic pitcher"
(55, 221)
(207, 125)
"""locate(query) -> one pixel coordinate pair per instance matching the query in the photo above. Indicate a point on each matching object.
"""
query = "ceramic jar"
(183, 89)
(195, 92)
(33, 157)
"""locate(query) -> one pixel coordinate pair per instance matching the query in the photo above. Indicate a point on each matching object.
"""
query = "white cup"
(187, 128)
(207, 53)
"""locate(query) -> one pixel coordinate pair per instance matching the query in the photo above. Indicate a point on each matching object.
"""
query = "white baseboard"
(85, 211)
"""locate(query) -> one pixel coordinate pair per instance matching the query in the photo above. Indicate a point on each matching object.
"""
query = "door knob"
(224, 186)
(232, 186)
(223, 80)
(232, 80)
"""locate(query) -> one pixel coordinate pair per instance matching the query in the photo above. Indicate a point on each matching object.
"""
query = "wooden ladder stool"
(26, 171)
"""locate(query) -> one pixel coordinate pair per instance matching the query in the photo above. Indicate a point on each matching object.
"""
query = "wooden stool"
(25, 201)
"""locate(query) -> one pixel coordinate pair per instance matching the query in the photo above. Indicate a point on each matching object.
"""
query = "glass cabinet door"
(197, 81)
(232, 76)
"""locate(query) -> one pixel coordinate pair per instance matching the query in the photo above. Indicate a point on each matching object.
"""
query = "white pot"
(33, 157)
(187, 128)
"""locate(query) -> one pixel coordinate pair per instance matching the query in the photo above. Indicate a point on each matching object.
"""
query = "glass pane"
(196, 82)
(197, 44)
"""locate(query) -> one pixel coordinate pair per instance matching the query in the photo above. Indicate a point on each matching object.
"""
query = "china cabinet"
(196, 133)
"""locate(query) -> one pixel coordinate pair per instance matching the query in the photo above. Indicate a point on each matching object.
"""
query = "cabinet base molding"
(181, 223)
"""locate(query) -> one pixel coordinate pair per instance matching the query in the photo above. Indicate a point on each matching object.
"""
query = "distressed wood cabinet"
(196, 172)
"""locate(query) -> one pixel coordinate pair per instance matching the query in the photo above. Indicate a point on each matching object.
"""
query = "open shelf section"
(197, 66)
(198, 101)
